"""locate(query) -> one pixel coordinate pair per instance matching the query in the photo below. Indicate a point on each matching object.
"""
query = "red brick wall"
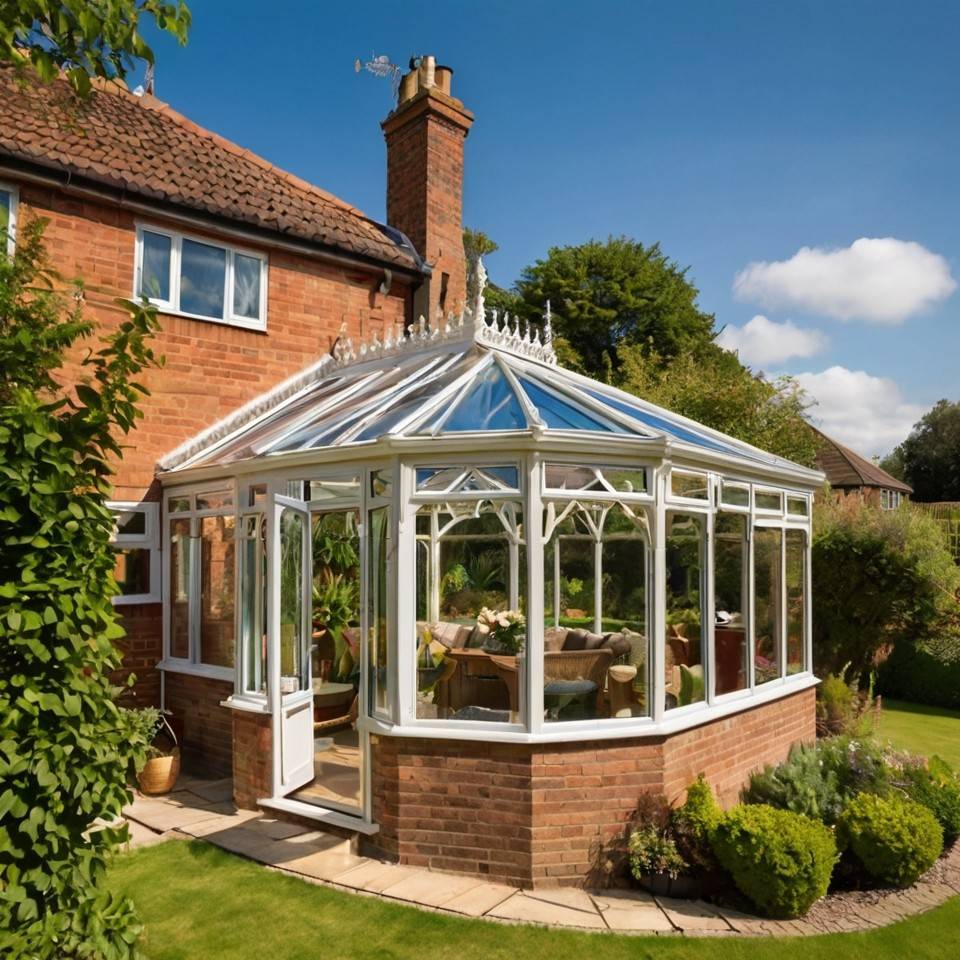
(549, 815)
(251, 758)
(207, 744)
(142, 649)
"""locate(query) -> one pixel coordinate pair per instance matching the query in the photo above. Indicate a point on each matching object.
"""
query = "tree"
(66, 749)
(711, 386)
(606, 296)
(84, 38)
(929, 458)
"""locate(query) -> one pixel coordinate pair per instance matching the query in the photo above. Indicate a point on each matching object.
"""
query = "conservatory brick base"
(539, 815)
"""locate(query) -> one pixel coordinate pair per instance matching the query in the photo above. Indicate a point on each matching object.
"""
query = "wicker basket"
(160, 773)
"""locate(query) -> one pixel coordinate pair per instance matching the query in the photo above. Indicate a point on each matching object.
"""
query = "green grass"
(921, 729)
(199, 902)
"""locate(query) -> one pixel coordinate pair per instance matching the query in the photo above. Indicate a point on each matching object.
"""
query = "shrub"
(836, 707)
(653, 851)
(935, 787)
(693, 823)
(818, 779)
(781, 861)
(880, 577)
(924, 671)
(895, 839)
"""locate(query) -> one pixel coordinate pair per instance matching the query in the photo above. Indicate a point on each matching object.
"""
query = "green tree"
(711, 386)
(84, 38)
(929, 459)
(66, 749)
(609, 295)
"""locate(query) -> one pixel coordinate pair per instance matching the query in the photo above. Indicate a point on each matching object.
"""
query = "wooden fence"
(947, 514)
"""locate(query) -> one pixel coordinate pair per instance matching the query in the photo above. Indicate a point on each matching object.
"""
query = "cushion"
(452, 635)
(482, 713)
(569, 688)
(554, 639)
(617, 643)
(581, 639)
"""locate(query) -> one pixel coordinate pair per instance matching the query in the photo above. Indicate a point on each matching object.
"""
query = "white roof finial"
(547, 327)
(480, 307)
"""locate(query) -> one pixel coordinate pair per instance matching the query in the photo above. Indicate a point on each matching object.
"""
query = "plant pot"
(663, 885)
(159, 774)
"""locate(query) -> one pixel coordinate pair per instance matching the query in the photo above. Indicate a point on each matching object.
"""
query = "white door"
(289, 645)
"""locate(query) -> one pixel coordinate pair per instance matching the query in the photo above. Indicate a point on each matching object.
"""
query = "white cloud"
(881, 280)
(869, 414)
(761, 341)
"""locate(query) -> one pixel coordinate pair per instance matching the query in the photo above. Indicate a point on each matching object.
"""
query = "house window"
(889, 499)
(202, 279)
(201, 578)
(9, 197)
(136, 551)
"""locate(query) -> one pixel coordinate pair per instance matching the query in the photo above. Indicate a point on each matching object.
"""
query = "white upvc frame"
(148, 540)
(14, 193)
(172, 304)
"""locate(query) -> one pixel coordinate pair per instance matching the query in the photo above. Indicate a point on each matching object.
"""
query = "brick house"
(849, 474)
(325, 518)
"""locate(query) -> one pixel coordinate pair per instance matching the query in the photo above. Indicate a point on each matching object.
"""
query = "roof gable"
(846, 468)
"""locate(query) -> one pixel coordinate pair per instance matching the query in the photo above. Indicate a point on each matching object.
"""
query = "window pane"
(131, 570)
(178, 504)
(155, 268)
(692, 486)
(253, 600)
(470, 631)
(735, 496)
(595, 655)
(131, 523)
(768, 593)
(730, 595)
(378, 566)
(608, 479)
(294, 666)
(797, 506)
(332, 489)
(215, 500)
(203, 271)
(246, 286)
(381, 483)
(768, 501)
(796, 599)
(683, 651)
(490, 404)
(217, 591)
(179, 588)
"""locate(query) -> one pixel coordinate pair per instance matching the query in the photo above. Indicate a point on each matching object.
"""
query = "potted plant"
(504, 630)
(158, 766)
(655, 861)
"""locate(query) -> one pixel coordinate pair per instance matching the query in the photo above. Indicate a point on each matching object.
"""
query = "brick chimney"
(425, 135)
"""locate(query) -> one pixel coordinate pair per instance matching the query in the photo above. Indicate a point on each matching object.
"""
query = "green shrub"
(653, 851)
(693, 823)
(924, 671)
(781, 861)
(895, 839)
(836, 706)
(935, 787)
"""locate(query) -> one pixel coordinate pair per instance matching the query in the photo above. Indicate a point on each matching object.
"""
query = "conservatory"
(467, 598)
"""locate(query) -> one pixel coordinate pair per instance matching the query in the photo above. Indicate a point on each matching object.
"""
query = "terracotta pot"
(159, 774)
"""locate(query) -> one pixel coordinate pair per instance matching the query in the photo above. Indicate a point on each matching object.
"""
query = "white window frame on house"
(148, 540)
(172, 305)
(14, 194)
(192, 663)
(889, 499)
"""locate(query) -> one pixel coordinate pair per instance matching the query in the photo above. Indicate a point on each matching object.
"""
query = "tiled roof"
(142, 146)
(844, 468)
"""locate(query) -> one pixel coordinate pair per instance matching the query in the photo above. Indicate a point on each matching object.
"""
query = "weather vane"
(381, 66)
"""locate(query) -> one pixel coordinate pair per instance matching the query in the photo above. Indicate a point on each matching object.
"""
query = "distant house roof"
(139, 145)
(845, 468)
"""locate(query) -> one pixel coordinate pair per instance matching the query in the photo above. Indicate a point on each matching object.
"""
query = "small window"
(798, 506)
(492, 478)
(340, 489)
(768, 501)
(602, 479)
(200, 278)
(689, 486)
(381, 483)
(215, 500)
(735, 494)
(178, 504)
(136, 552)
(8, 216)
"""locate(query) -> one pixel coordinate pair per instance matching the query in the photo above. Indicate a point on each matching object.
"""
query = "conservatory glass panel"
(735, 494)
(377, 601)
(798, 506)
(180, 588)
(684, 610)
(381, 483)
(471, 576)
(217, 641)
(344, 488)
(731, 595)
(489, 404)
(563, 414)
(595, 655)
(253, 604)
(293, 643)
(768, 500)
(609, 479)
(131, 570)
(215, 500)
(796, 558)
(768, 597)
(692, 486)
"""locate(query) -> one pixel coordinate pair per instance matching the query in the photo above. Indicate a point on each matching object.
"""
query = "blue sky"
(733, 133)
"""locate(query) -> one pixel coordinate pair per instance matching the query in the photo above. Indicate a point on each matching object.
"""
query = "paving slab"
(167, 816)
(210, 826)
(530, 910)
(366, 872)
(430, 888)
(693, 915)
(391, 876)
(277, 829)
(624, 911)
(480, 900)
(141, 836)
(247, 843)
(571, 897)
(214, 791)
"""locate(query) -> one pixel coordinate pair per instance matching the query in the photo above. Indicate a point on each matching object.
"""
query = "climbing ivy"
(66, 749)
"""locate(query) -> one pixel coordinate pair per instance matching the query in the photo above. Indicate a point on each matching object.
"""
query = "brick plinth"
(251, 758)
(539, 815)
(207, 727)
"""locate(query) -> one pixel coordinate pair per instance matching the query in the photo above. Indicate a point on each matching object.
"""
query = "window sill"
(133, 598)
(246, 705)
(204, 670)
(241, 323)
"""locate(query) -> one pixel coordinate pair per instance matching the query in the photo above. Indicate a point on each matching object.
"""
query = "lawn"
(199, 901)
(921, 729)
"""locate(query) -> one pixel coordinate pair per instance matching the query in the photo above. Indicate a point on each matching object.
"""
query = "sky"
(800, 159)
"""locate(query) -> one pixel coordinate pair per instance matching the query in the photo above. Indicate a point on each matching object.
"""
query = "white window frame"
(14, 193)
(172, 305)
(148, 540)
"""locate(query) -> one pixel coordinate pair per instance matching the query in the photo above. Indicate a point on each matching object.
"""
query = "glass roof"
(442, 388)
